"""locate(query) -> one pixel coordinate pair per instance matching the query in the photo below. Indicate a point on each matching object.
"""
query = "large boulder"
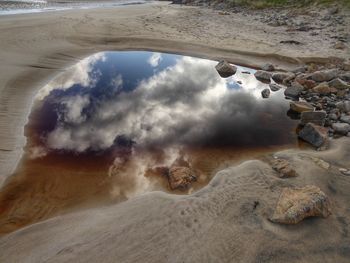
(315, 135)
(341, 128)
(296, 204)
(225, 69)
(181, 177)
(338, 84)
(263, 76)
(283, 168)
(279, 77)
(315, 117)
(300, 106)
(324, 75)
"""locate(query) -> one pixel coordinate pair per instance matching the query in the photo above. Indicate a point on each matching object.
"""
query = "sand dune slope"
(227, 221)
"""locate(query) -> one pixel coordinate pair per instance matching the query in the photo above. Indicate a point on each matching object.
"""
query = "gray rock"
(275, 87)
(333, 116)
(343, 106)
(314, 134)
(301, 69)
(324, 75)
(225, 69)
(268, 67)
(263, 76)
(265, 93)
(338, 84)
(294, 91)
(315, 117)
(341, 128)
(345, 118)
(281, 76)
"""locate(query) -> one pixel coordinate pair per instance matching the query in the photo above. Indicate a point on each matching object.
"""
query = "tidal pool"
(106, 129)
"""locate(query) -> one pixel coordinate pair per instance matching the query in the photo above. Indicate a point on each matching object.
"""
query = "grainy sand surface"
(217, 224)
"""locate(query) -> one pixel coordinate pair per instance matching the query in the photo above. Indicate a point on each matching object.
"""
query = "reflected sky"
(157, 100)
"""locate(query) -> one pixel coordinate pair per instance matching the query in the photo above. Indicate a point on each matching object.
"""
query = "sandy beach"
(37, 47)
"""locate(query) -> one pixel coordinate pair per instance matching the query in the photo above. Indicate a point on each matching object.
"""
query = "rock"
(343, 106)
(293, 92)
(314, 134)
(225, 69)
(340, 45)
(275, 87)
(344, 171)
(306, 83)
(180, 177)
(324, 89)
(341, 128)
(300, 106)
(268, 67)
(345, 76)
(280, 76)
(284, 168)
(301, 69)
(323, 164)
(265, 93)
(315, 117)
(324, 75)
(338, 84)
(345, 118)
(263, 76)
(294, 205)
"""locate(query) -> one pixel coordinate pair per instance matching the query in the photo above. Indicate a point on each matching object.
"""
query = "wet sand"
(36, 47)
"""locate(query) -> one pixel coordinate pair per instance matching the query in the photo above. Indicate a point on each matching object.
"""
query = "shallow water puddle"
(110, 127)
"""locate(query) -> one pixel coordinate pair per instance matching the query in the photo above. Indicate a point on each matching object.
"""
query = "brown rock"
(181, 177)
(300, 106)
(315, 117)
(296, 204)
(284, 168)
(263, 76)
(279, 77)
(306, 83)
(338, 84)
(324, 75)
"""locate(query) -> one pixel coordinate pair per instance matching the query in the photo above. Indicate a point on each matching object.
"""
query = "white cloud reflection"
(155, 59)
(187, 103)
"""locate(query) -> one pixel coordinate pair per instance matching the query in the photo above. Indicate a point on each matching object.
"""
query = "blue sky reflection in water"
(157, 101)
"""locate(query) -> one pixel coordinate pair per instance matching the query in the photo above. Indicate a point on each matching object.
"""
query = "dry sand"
(217, 224)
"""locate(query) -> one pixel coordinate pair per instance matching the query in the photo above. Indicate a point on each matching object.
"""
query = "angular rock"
(268, 67)
(314, 134)
(225, 69)
(181, 177)
(284, 168)
(341, 128)
(265, 93)
(315, 117)
(300, 106)
(281, 76)
(338, 84)
(275, 87)
(324, 75)
(263, 76)
(294, 205)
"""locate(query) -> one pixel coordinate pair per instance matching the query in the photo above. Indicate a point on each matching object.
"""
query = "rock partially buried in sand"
(314, 134)
(265, 93)
(263, 76)
(294, 205)
(181, 177)
(225, 69)
(300, 106)
(283, 168)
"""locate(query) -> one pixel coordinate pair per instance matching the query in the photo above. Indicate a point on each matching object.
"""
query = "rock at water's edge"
(314, 134)
(181, 177)
(225, 69)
